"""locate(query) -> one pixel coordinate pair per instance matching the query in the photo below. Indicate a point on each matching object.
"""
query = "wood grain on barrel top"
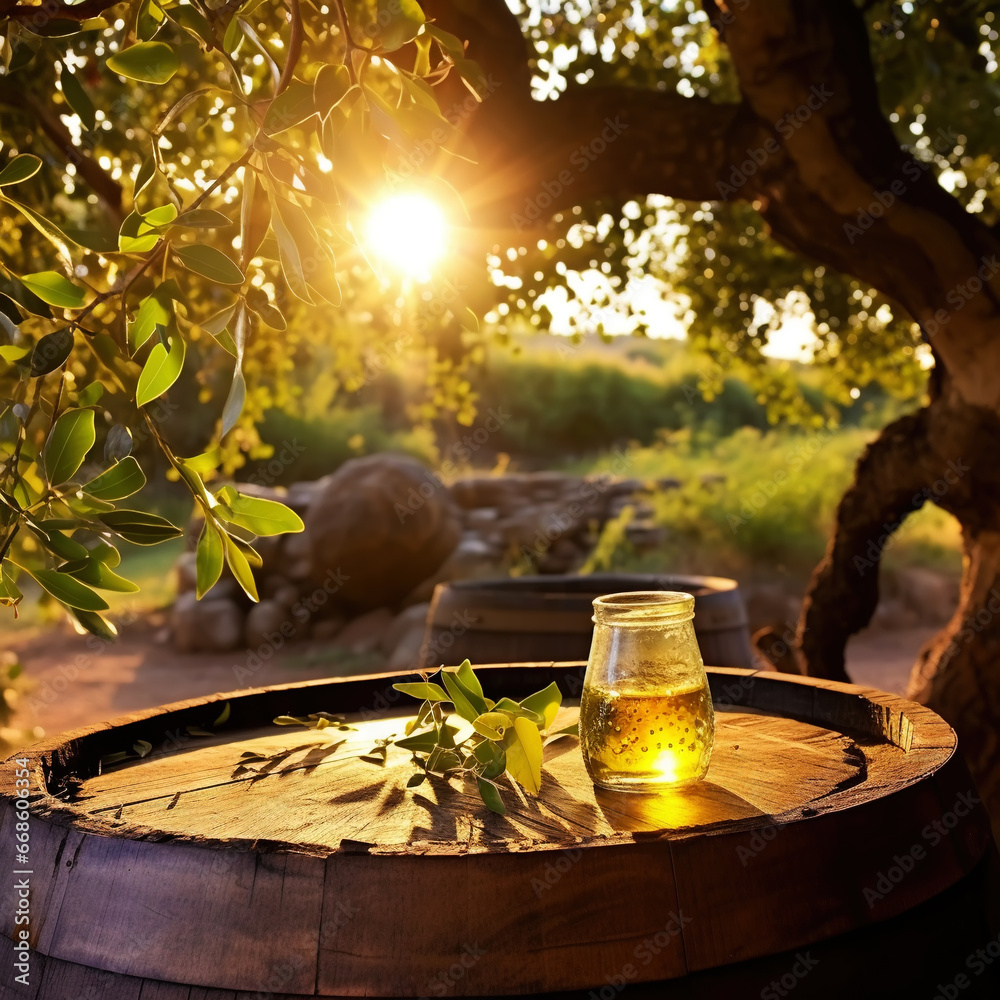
(314, 789)
(176, 868)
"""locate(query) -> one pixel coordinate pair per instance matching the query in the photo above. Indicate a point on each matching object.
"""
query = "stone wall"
(381, 532)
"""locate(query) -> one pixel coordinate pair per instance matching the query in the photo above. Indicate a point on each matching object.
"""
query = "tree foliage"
(734, 284)
(183, 187)
(171, 214)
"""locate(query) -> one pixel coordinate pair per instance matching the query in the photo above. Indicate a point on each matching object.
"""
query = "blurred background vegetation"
(578, 407)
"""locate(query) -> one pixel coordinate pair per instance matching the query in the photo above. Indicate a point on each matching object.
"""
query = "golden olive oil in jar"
(646, 716)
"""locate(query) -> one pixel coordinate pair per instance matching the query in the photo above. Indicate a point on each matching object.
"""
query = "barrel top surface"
(312, 789)
(313, 792)
(235, 845)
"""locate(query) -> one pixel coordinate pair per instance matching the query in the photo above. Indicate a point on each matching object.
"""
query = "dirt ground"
(80, 680)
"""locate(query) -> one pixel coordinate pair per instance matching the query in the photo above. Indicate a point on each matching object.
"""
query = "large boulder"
(366, 634)
(380, 524)
(931, 596)
(214, 624)
(268, 624)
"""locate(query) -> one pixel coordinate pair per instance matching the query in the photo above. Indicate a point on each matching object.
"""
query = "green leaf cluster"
(487, 740)
(494, 737)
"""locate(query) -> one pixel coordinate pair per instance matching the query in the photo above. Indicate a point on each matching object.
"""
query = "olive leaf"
(72, 436)
(544, 703)
(503, 738)
(523, 745)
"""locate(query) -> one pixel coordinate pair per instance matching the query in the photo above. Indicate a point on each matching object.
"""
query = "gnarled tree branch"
(810, 105)
(888, 485)
(538, 157)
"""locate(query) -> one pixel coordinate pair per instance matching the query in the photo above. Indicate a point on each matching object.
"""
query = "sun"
(408, 231)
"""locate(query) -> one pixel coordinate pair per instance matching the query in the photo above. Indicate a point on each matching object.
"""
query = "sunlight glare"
(665, 765)
(408, 231)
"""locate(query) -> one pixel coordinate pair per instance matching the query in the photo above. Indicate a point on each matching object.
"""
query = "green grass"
(761, 505)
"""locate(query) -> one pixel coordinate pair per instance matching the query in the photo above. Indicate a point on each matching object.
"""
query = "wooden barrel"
(544, 618)
(837, 846)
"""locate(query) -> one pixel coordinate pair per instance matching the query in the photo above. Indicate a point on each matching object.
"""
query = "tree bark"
(843, 594)
(956, 673)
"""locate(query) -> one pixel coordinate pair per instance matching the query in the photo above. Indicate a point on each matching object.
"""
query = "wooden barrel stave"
(287, 890)
(918, 950)
(540, 618)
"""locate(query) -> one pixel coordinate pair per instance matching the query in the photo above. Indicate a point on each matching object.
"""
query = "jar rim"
(644, 607)
(634, 600)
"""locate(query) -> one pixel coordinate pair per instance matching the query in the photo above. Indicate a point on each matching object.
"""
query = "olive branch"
(493, 738)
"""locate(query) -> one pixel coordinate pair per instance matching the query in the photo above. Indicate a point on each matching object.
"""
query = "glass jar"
(646, 716)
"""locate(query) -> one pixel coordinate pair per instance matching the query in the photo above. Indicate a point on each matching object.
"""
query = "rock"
(473, 548)
(474, 558)
(297, 557)
(300, 496)
(932, 596)
(536, 524)
(365, 634)
(406, 654)
(508, 492)
(276, 493)
(185, 572)
(213, 624)
(415, 616)
(280, 590)
(482, 516)
(624, 488)
(269, 624)
(273, 582)
(384, 523)
(299, 570)
(271, 552)
(563, 556)
(527, 524)
(645, 536)
(287, 596)
(328, 629)
(478, 491)
(187, 579)
(618, 504)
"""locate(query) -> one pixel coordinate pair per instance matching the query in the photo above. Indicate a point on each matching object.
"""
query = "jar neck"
(644, 608)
